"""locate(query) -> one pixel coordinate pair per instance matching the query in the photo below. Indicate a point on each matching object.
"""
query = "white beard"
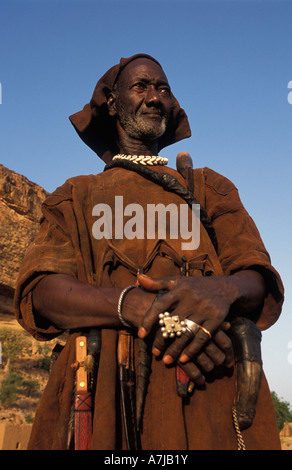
(141, 127)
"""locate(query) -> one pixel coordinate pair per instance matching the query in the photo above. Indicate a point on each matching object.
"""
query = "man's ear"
(111, 104)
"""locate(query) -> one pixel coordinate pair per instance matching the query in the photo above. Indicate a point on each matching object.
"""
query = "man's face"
(143, 101)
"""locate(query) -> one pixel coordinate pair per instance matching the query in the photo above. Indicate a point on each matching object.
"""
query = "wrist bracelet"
(120, 303)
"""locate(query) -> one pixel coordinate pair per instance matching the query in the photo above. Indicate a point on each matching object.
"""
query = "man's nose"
(152, 97)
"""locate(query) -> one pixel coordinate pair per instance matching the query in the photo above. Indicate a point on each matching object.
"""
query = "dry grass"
(29, 365)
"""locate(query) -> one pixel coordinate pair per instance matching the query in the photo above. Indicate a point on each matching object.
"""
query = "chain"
(240, 441)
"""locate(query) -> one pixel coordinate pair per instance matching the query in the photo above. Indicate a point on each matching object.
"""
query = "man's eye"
(165, 90)
(139, 85)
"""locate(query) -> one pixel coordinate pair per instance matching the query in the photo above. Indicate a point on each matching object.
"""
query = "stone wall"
(14, 437)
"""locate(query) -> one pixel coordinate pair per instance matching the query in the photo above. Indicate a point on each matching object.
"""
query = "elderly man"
(78, 278)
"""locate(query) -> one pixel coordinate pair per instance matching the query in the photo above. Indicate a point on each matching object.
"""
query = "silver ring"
(171, 326)
(191, 326)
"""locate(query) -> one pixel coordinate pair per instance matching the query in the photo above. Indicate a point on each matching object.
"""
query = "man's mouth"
(153, 114)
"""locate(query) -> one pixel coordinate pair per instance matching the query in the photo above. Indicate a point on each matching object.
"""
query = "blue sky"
(229, 64)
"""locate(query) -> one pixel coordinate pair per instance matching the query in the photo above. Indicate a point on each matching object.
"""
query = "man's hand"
(202, 302)
(215, 352)
(206, 301)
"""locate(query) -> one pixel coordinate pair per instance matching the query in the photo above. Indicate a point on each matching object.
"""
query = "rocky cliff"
(20, 211)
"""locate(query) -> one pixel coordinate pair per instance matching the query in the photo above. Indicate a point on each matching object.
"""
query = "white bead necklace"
(143, 159)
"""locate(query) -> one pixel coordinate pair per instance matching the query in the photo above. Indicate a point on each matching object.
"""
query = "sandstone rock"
(20, 211)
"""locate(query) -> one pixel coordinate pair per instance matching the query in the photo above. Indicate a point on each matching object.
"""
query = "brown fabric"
(65, 245)
(95, 127)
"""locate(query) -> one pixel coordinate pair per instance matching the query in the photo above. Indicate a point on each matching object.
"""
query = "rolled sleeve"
(52, 252)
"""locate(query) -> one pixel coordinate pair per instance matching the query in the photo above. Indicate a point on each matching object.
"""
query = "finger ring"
(205, 331)
(191, 326)
(171, 326)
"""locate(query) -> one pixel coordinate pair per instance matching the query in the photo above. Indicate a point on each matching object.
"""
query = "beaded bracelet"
(120, 303)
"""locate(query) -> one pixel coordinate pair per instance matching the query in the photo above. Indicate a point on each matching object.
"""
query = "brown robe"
(65, 244)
